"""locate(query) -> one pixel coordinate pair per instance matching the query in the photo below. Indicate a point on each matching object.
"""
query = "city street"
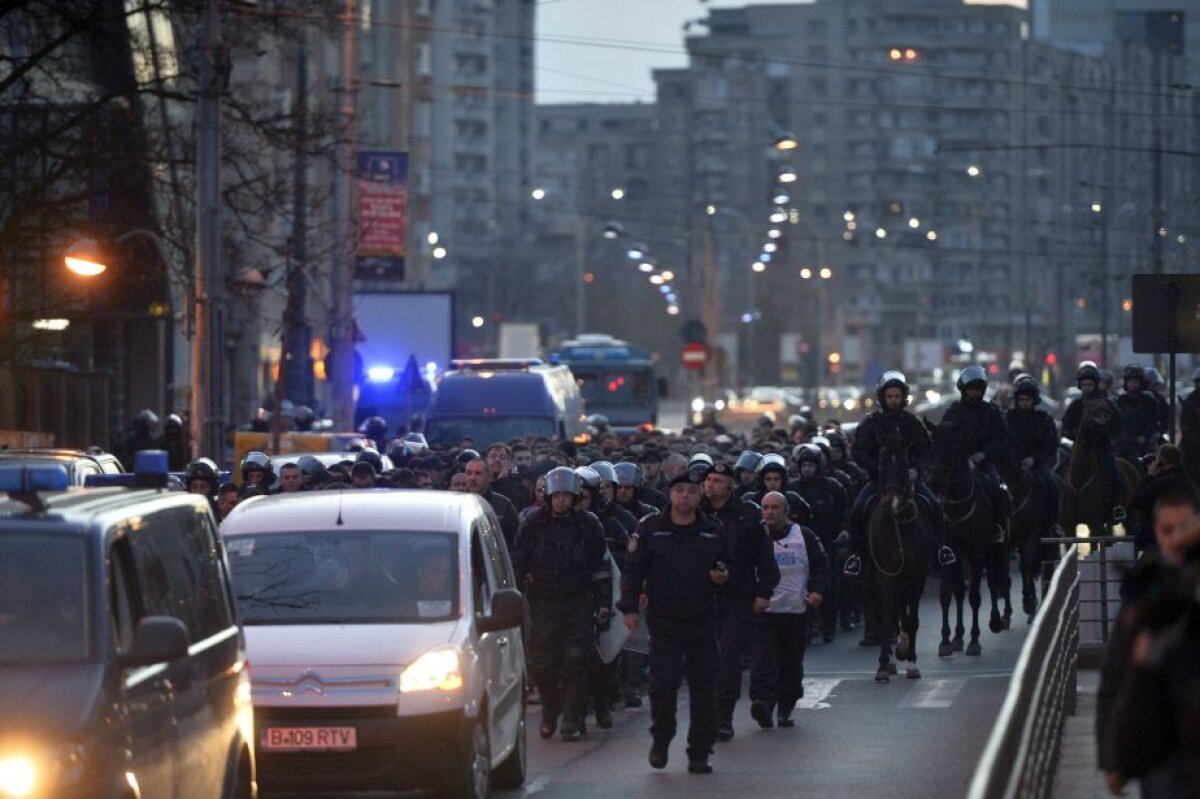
(852, 737)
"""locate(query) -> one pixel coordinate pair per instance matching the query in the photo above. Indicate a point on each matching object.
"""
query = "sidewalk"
(1078, 776)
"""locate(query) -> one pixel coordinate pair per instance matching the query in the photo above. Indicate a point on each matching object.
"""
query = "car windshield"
(44, 616)
(363, 577)
(450, 431)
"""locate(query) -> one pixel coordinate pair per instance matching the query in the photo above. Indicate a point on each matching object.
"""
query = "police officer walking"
(559, 563)
(781, 630)
(748, 590)
(680, 561)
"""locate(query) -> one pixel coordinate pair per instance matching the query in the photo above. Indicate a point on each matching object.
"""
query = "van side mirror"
(663, 389)
(157, 639)
(508, 611)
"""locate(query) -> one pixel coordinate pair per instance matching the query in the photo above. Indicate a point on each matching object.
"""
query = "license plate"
(338, 739)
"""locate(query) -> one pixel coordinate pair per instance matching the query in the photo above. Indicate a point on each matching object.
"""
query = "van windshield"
(359, 577)
(43, 599)
(485, 430)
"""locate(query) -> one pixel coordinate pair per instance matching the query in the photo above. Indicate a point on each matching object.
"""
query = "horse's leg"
(994, 567)
(960, 599)
(885, 604)
(946, 595)
(913, 623)
(1006, 565)
(974, 594)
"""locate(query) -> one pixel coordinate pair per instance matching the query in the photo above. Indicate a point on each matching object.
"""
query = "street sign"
(1166, 313)
(695, 356)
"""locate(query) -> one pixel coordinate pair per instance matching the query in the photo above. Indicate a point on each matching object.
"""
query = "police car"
(384, 629)
(122, 669)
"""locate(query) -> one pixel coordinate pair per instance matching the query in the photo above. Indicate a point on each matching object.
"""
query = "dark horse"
(899, 547)
(1032, 521)
(1093, 495)
(970, 523)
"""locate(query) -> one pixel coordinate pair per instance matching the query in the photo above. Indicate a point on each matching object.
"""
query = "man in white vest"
(781, 630)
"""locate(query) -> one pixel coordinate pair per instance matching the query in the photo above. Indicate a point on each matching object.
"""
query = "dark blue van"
(498, 399)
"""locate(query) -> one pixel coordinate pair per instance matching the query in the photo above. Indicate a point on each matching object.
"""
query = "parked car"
(384, 629)
(78, 463)
(122, 668)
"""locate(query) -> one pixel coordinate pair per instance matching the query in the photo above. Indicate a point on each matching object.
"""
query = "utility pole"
(208, 423)
(581, 272)
(296, 365)
(341, 351)
(711, 307)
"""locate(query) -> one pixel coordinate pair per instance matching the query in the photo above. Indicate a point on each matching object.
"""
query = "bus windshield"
(623, 387)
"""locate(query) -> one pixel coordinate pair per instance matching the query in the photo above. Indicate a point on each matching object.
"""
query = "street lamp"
(84, 259)
(786, 141)
(787, 174)
(538, 194)
(613, 230)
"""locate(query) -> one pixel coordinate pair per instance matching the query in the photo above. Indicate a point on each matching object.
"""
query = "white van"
(383, 630)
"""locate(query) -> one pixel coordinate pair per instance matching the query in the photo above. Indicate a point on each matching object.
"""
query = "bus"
(616, 378)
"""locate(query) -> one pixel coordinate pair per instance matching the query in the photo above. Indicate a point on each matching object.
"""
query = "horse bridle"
(946, 503)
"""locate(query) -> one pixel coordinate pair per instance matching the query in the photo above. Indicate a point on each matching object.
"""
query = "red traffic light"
(1051, 359)
(993, 369)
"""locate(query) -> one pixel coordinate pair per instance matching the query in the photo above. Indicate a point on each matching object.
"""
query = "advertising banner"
(382, 179)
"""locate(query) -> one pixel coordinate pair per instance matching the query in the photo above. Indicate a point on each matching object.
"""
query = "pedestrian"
(479, 481)
(559, 564)
(781, 628)
(679, 560)
(289, 479)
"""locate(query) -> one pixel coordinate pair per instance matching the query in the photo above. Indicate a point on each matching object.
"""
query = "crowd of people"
(738, 549)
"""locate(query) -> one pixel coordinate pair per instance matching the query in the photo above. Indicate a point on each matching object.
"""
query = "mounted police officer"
(748, 591)
(890, 421)
(559, 564)
(1095, 398)
(979, 426)
(679, 560)
(827, 498)
(1139, 416)
(1033, 440)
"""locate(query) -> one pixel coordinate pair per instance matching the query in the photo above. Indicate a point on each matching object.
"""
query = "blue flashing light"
(380, 374)
(765, 257)
(151, 462)
(28, 479)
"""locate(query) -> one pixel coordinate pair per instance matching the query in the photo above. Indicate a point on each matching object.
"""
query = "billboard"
(382, 178)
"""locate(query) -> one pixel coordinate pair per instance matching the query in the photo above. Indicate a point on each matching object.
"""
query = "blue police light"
(28, 479)
(380, 374)
(150, 468)
(109, 481)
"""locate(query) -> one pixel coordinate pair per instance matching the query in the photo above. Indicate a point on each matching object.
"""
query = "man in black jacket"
(781, 628)
(559, 564)
(479, 481)
(981, 432)
(1166, 476)
(1033, 440)
(679, 560)
(749, 589)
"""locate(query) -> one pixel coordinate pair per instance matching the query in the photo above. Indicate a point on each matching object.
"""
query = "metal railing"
(1022, 752)
(1101, 568)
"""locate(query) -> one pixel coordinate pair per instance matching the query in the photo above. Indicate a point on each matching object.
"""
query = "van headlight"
(698, 404)
(18, 776)
(436, 670)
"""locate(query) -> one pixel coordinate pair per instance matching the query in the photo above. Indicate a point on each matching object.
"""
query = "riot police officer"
(679, 560)
(603, 504)
(890, 421)
(1033, 440)
(748, 591)
(256, 468)
(627, 493)
(827, 498)
(1087, 378)
(745, 471)
(201, 477)
(559, 563)
(1139, 415)
(979, 426)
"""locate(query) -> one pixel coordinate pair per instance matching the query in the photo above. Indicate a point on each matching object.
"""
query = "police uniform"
(559, 562)
(670, 563)
(1032, 434)
(756, 576)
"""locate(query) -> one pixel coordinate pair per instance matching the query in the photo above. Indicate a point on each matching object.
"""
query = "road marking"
(816, 691)
(933, 694)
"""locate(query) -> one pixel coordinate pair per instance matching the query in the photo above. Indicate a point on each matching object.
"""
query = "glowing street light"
(656, 280)
(974, 171)
(1097, 208)
(758, 266)
(637, 251)
(931, 235)
(432, 238)
(770, 247)
(477, 322)
(826, 273)
(538, 194)
(647, 265)
(668, 275)
(914, 223)
(848, 216)
(787, 175)
(710, 209)
(673, 310)
(439, 253)
(618, 193)
(806, 273)
(786, 141)
(613, 230)
(778, 216)
(880, 233)
(780, 197)
(774, 233)
(84, 258)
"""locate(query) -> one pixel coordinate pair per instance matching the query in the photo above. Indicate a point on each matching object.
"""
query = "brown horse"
(1093, 493)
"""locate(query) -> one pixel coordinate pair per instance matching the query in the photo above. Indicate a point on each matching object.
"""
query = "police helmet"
(605, 470)
(356, 445)
(1154, 380)
(417, 441)
(836, 439)
(174, 423)
(747, 462)
(809, 453)
(311, 467)
(891, 379)
(628, 474)
(1027, 386)
(563, 480)
(1087, 371)
(1134, 371)
(973, 375)
(258, 462)
(371, 456)
(701, 457)
(773, 463)
(202, 469)
(466, 456)
(146, 419)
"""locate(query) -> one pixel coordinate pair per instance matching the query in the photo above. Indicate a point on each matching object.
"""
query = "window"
(123, 595)
(481, 580)
(497, 552)
(175, 556)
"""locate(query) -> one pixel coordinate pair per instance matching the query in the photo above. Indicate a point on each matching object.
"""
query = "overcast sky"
(629, 38)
